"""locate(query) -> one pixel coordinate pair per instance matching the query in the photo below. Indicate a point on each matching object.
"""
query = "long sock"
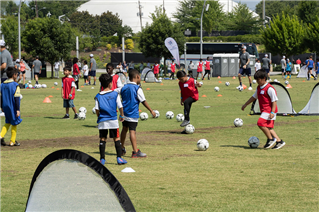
(308, 76)
(102, 149)
(286, 77)
(13, 133)
(312, 75)
(77, 84)
(250, 84)
(290, 75)
(37, 82)
(5, 129)
(117, 145)
(241, 83)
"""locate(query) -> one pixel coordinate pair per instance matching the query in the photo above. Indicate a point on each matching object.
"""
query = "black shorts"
(267, 70)
(92, 73)
(131, 125)
(23, 72)
(245, 71)
(283, 70)
(36, 74)
(103, 133)
(207, 71)
(310, 68)
(85, 77)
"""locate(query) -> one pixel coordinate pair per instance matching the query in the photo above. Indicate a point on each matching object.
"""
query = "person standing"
(266, 62)
(141, 66)
(156, 69)
(23, 70)
(85, 71)
(76, 73)
(68, 93)
(131, 65)
(190, 68)
(288, 69)
(6, 60)
(310, 66)
(37, 66)
(92, 70)
(257, 65)
(17, 66)
(173, 69)
(207, 69)
(56, 69)
(199, 68)
(125, 68)
(298, 61)
(244, 68)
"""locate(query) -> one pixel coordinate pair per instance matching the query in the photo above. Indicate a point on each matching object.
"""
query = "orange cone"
(219, 77)
(58, 88)
(140, 110)
(144, 82)
(244, 86)
(50, 96)
(148, 88)
(161, 84)
(288, 86)
(219, 95)
(52, 87)
(220, 82)
(46, 100)
(82, 86)
(234, 77)
(303, 81)
(204, 96)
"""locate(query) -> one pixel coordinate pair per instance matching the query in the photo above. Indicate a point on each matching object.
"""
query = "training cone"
(244, 86)
(219, 77)
(127, 170)
(288, 86)
(46, 100)
(234, 77)
(82, 86)
(50, 96)
(219, 95)
(52, 87)
(58, 88)
(204, 96)
(144, 82)
(161, 84)
(148, 88)
(220, 82)
(140, 110)
(303, 81)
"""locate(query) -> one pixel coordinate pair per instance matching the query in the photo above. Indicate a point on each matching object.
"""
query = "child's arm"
(121, 116)
(251, 99)
(71, 92)
(273, 108)
(148, 107)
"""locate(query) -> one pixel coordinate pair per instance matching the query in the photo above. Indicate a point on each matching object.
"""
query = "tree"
(49, 39)
(109, 23)
(308, 11)
(184, 15)
(153, 36)
(273, 8)
(9, 28)
(311, 40)
(284, 36)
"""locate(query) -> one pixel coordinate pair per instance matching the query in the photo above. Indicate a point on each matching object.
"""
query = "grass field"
(229, 176)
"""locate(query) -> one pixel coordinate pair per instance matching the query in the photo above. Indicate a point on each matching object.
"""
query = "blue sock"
(286, 77)
(240, 83)
(290, 75)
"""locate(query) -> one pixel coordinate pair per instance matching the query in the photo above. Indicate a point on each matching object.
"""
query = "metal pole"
(123, 50)
(185, 57)
(77, 46)
(140, 14)
(19, 35)
(36, 6)
(264, 13)
(201, 29)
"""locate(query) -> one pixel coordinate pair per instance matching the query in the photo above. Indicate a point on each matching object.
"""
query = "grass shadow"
(90, 126)
(107, 153)
(237, 146)
(171, 132)
(53, 118)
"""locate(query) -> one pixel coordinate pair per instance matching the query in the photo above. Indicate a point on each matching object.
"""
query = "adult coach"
(244, 68)
(283, 65)
(37, 66)
(92, 70)
(6, 60)
(266, 62)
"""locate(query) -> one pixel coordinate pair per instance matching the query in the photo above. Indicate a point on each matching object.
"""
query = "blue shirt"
(130, 100)
(107, 106)
(310, 63)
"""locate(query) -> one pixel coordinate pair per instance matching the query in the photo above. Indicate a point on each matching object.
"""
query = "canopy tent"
(72, 181)
(312, 107)
(284, 103)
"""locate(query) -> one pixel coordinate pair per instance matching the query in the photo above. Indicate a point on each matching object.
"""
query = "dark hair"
(261, 74)
(172, 60)
(75, 60)
(11, 71)
(208, 58)
(85, 62)
(310, 56)
(67, 68)
(105, 79)
(37, 57)
(200, 59)
(110, 65)
(181, 74)
(133, 73)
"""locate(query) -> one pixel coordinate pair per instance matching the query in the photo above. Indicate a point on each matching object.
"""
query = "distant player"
(190, 68)
(132, 95)
(76, 73)
(156, 69)
(199, 68)
(85, 71)
(68, 92)
(244, 68)
(257, 65)
(37, 66)
(317, 68)
(288, 69)
(266, 63)
(283, 65)
(207, 69)
(107, 102)
(189, 94)
(310, 66)
(10, 105)
(267, 96)
(173, 69)
(92, 70)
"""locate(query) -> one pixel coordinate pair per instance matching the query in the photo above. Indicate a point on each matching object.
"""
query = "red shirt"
(298, 61)
(67, 86)
(173, 67)
(188, 89)
(207, 65)
(76, 70)
(200, 67)
(156, 69)
(114, 83)
(264, 99)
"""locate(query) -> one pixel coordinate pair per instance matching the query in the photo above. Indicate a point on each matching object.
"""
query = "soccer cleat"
(2, 142)
(124, 151)
(279, 145)
(14, 144)
(102, 161)
(238, 87)
(138, 154)
(121, 161)
(76, 116)
(79, 90)
(315, 78)
(250, 88)
(66, 116)
(269, 143)
(184, 123)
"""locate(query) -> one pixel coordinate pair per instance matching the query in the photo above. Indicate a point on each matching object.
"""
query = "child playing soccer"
(267, 96)
(189, 94)
(107, 102)
(10, 105)
(132, 95)
(85, 72)
(199, 68)
(173, 69)
(68, 92)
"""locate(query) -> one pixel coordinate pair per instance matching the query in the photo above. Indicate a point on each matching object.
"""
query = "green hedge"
(256, 38)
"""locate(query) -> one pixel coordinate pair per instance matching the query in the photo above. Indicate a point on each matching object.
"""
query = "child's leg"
(74, 110)
(133, 140)
(102, 147)
(77, 84)
(240, 80)
(266, 131)
(13, 133)
(187, 107)
(5, 129)
(274, 134)
(67, 110)
(117, 145)
(123, 135)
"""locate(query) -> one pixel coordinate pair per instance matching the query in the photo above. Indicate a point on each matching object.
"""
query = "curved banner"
(172, 46)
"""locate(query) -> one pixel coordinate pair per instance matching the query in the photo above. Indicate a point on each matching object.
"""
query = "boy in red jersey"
(156, 69)
(267, 96)
(116, 81)
(173, 69)
(189, 94)
(68, 92)
(207, 69)
(199, 68)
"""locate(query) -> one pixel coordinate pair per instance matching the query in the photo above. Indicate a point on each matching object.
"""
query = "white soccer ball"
(30, 86)
(160, 78)
(238, 122)
(144, 116)
(275, 80)
(94, 110)
(44, 86)
(240, 89)
(189, 129)
(227, 83)
(83, 109)
(157, 113)
(38, 86)
(254, 81)
(21, 96)
(286, 82)
(180, 117)
(203, 144)
(29, 82)
(169, 115)
(253, 142)
(55, 83)
(216, 89)
(82, 116)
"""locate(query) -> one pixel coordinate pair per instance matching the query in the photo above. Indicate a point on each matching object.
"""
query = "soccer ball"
(275, 80)
(203, 144)
(44, 86)
(143, 116)
(253, 142)
(21, 96)
(180, 117)
(189, 129)
(169, 115)
(30, 86)
(227, 83)
(83, 109)
(94, 110)
(157, 113)
(286, 82)
(216, 89)
(254, 81)
(238, 122)
(240, 89)
(82, 116)
(55, 83)
(38, 86)
(29, 82)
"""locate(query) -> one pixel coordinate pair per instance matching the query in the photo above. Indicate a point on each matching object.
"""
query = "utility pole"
(264, 13)
(36, 6)
(140, 14)
(204, 4)
(164, 10)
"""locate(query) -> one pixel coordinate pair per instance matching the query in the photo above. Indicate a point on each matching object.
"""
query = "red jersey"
(67, 86)
(76, 70)
(207, 65)
(298, 61)
(188, 89)
(200, 67)
(265, 100)
(156, 69)
(114, 83)
(173, 67)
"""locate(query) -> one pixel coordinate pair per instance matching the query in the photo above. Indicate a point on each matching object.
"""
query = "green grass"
(228, 177)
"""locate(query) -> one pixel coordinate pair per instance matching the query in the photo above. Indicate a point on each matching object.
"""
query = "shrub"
(108, 46)
(129, 44)
(115, 46)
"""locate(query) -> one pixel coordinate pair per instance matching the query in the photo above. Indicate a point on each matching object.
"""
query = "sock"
(290, 75)
(37, 82)
(286, 76)
(102, 149)
(5, 129)
(240, 83)
(14, 133)
(312, 75)
(250, 84)
(117, 145)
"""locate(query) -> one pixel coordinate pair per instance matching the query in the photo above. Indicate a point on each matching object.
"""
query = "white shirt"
(257, 65)
(109, 124)
(141, 98)
(56, 65)
(85, 70)
(273, 96)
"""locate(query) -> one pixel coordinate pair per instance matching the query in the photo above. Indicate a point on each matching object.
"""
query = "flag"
(172, 46)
